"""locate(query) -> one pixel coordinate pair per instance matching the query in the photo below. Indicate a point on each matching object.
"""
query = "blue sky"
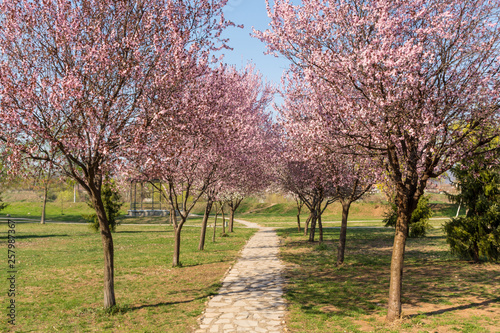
(251, 13)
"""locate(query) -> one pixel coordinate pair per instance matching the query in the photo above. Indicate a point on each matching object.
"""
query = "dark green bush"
(419, 222)
(476, 236)
(112, 205)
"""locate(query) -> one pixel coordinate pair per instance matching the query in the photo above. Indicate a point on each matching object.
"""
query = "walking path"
(250, 299)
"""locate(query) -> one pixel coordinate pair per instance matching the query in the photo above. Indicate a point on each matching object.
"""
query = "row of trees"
(90, 89)
(378, 91)
(413, 86)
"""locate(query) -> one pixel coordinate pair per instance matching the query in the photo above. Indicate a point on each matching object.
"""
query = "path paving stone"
(251, 296)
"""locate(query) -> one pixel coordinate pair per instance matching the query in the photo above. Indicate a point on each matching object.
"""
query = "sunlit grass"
(440, 293)
(60, 269)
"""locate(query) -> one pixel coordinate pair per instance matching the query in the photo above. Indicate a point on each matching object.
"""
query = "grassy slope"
(59, 278)
(276, 211)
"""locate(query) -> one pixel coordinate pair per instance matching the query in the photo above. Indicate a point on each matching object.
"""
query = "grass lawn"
(363, 213)
(70, 211)
(440, 293)
(59, 278)
(269, 220)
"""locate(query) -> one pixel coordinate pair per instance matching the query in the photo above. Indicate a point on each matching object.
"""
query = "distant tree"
(477, 234)
(419, 222)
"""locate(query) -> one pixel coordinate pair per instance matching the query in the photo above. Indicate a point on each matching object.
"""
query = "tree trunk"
(458, 210)
(215, 224)
(234, 206)
(299, 209)
(320, 226)
(306, 228)
(475, 253)
(44, 204)
(107, 244)
(343, 232)
(312, 232)
(177, 246)
(223, 219)
(208, 208)
(231, 220)
(405, 209)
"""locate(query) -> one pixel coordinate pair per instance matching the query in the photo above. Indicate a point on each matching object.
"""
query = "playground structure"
(146, 199)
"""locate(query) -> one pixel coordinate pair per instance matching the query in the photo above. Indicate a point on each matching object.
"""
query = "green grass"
(61, 271)
(440, 293)
(33, 210)
(277, 212)
(59, 278)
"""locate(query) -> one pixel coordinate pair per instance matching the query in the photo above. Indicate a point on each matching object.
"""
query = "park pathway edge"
(251, 296)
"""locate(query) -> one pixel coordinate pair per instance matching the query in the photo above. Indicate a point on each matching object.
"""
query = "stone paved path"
(250, 299)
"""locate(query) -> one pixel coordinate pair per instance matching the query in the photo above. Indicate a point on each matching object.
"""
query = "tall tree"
(415, 82)
(80, 78)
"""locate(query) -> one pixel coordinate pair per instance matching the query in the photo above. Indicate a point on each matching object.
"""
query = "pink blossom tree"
(414, 82)
(218, 115)
(81, 78)
(304, 175)
(242, 167)
(349, 175)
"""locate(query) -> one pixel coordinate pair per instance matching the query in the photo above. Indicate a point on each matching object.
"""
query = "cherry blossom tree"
(349, 175)
(219, 115)
(303, 175)
(415, 82)
(83, 78)
(252, 171)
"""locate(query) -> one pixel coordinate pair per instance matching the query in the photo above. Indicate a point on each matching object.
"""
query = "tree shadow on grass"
(142, 231)
(157, 305)
(360, 286)
(18, 236)
(461, 307)
(204, 295)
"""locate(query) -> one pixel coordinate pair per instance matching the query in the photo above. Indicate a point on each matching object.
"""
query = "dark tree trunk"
(233, 205)
(208, 208)
(312, 232)
(306, 228)
(223, 219)
(177, 235)
(475, 253)
(177, 246)
(44, 204)
(215, 223)
(107, 244)
(406, 205)
(320, 226)
(231, 220)
(299, 209)
(343, 232)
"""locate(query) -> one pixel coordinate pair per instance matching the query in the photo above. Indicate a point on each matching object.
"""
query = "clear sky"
(251, 13)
